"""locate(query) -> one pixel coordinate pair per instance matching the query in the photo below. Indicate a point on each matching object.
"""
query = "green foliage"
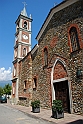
(57, 105)
(35, 104)
(1, 91)
(5, 90)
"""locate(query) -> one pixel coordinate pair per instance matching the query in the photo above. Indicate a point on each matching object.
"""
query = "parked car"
(3, 99)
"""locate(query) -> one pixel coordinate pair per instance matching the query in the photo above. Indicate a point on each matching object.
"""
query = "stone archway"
(59, 84)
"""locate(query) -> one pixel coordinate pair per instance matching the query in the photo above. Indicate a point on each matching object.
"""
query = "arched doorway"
(60, 85)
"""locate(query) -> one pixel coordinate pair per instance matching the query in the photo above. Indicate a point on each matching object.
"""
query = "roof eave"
(23, 17)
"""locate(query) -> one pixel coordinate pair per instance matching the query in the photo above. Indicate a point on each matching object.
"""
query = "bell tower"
(22, 46)
(23, 34)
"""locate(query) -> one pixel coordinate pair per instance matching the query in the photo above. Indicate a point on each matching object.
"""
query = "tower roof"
(23, 12)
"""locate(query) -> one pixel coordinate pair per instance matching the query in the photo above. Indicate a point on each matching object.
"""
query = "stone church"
(53, 69)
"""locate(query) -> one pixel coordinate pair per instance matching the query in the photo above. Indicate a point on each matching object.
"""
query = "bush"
(57, 105)
(35, 104)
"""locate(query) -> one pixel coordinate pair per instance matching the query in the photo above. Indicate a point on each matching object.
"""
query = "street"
(10, 115)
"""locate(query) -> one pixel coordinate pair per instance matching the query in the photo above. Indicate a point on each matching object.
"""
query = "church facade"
(53, 69)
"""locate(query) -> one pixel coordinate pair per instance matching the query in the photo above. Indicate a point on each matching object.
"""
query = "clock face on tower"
(25, 37)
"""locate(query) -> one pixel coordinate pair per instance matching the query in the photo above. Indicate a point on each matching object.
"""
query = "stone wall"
(55, 38)
(25, 75)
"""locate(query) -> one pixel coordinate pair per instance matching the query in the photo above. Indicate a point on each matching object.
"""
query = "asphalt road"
(9, 115)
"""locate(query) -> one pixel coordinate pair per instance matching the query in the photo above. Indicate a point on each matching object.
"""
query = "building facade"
(53, 69)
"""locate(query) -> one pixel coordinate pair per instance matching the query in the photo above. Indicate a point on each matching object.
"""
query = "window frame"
(79, 37)
(14, 71)
(74, 39)
(25, 85)
(24, 51)
(45, 57)
(34, 83)
(25, 25)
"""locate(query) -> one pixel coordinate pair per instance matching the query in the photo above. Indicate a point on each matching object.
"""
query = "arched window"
(45, 57)
(25, 25)
(13, 90)
(14, 71)
(15, 53)
(34, 84)
(74, 39)
(25, 84)
(24, 51)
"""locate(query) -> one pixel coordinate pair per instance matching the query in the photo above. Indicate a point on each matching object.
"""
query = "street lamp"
(79, 73)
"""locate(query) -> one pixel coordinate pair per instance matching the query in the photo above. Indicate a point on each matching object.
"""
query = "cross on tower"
(24, 4)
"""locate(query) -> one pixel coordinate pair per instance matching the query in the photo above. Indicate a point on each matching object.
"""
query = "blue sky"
(9, 11)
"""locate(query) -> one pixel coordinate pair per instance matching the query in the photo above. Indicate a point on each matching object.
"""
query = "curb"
(33, 116)
(30, 115)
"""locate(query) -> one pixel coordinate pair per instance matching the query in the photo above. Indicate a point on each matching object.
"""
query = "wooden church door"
(62, 93)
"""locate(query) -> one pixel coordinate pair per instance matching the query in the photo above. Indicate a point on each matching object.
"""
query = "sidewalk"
(46, 115)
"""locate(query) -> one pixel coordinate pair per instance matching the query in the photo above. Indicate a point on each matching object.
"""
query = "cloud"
(5, 75)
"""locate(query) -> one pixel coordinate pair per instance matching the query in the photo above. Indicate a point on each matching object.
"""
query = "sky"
(9, 12)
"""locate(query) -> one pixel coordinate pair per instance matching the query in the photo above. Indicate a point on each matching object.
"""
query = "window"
(34, 84)
(13, 91)
(14, 71)
(17, 28)
(45, 57)
(15, 52)
(16, 38)
(24, 51)
(74, 39)
(25, 25)
(24, 84)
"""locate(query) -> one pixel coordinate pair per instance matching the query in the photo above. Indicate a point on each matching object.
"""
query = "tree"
(1, 91)
(7, 89)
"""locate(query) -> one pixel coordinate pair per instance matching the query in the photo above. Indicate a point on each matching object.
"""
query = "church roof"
(24, 12)
(54, 10)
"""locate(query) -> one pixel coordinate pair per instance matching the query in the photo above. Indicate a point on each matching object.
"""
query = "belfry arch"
(59, 83)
